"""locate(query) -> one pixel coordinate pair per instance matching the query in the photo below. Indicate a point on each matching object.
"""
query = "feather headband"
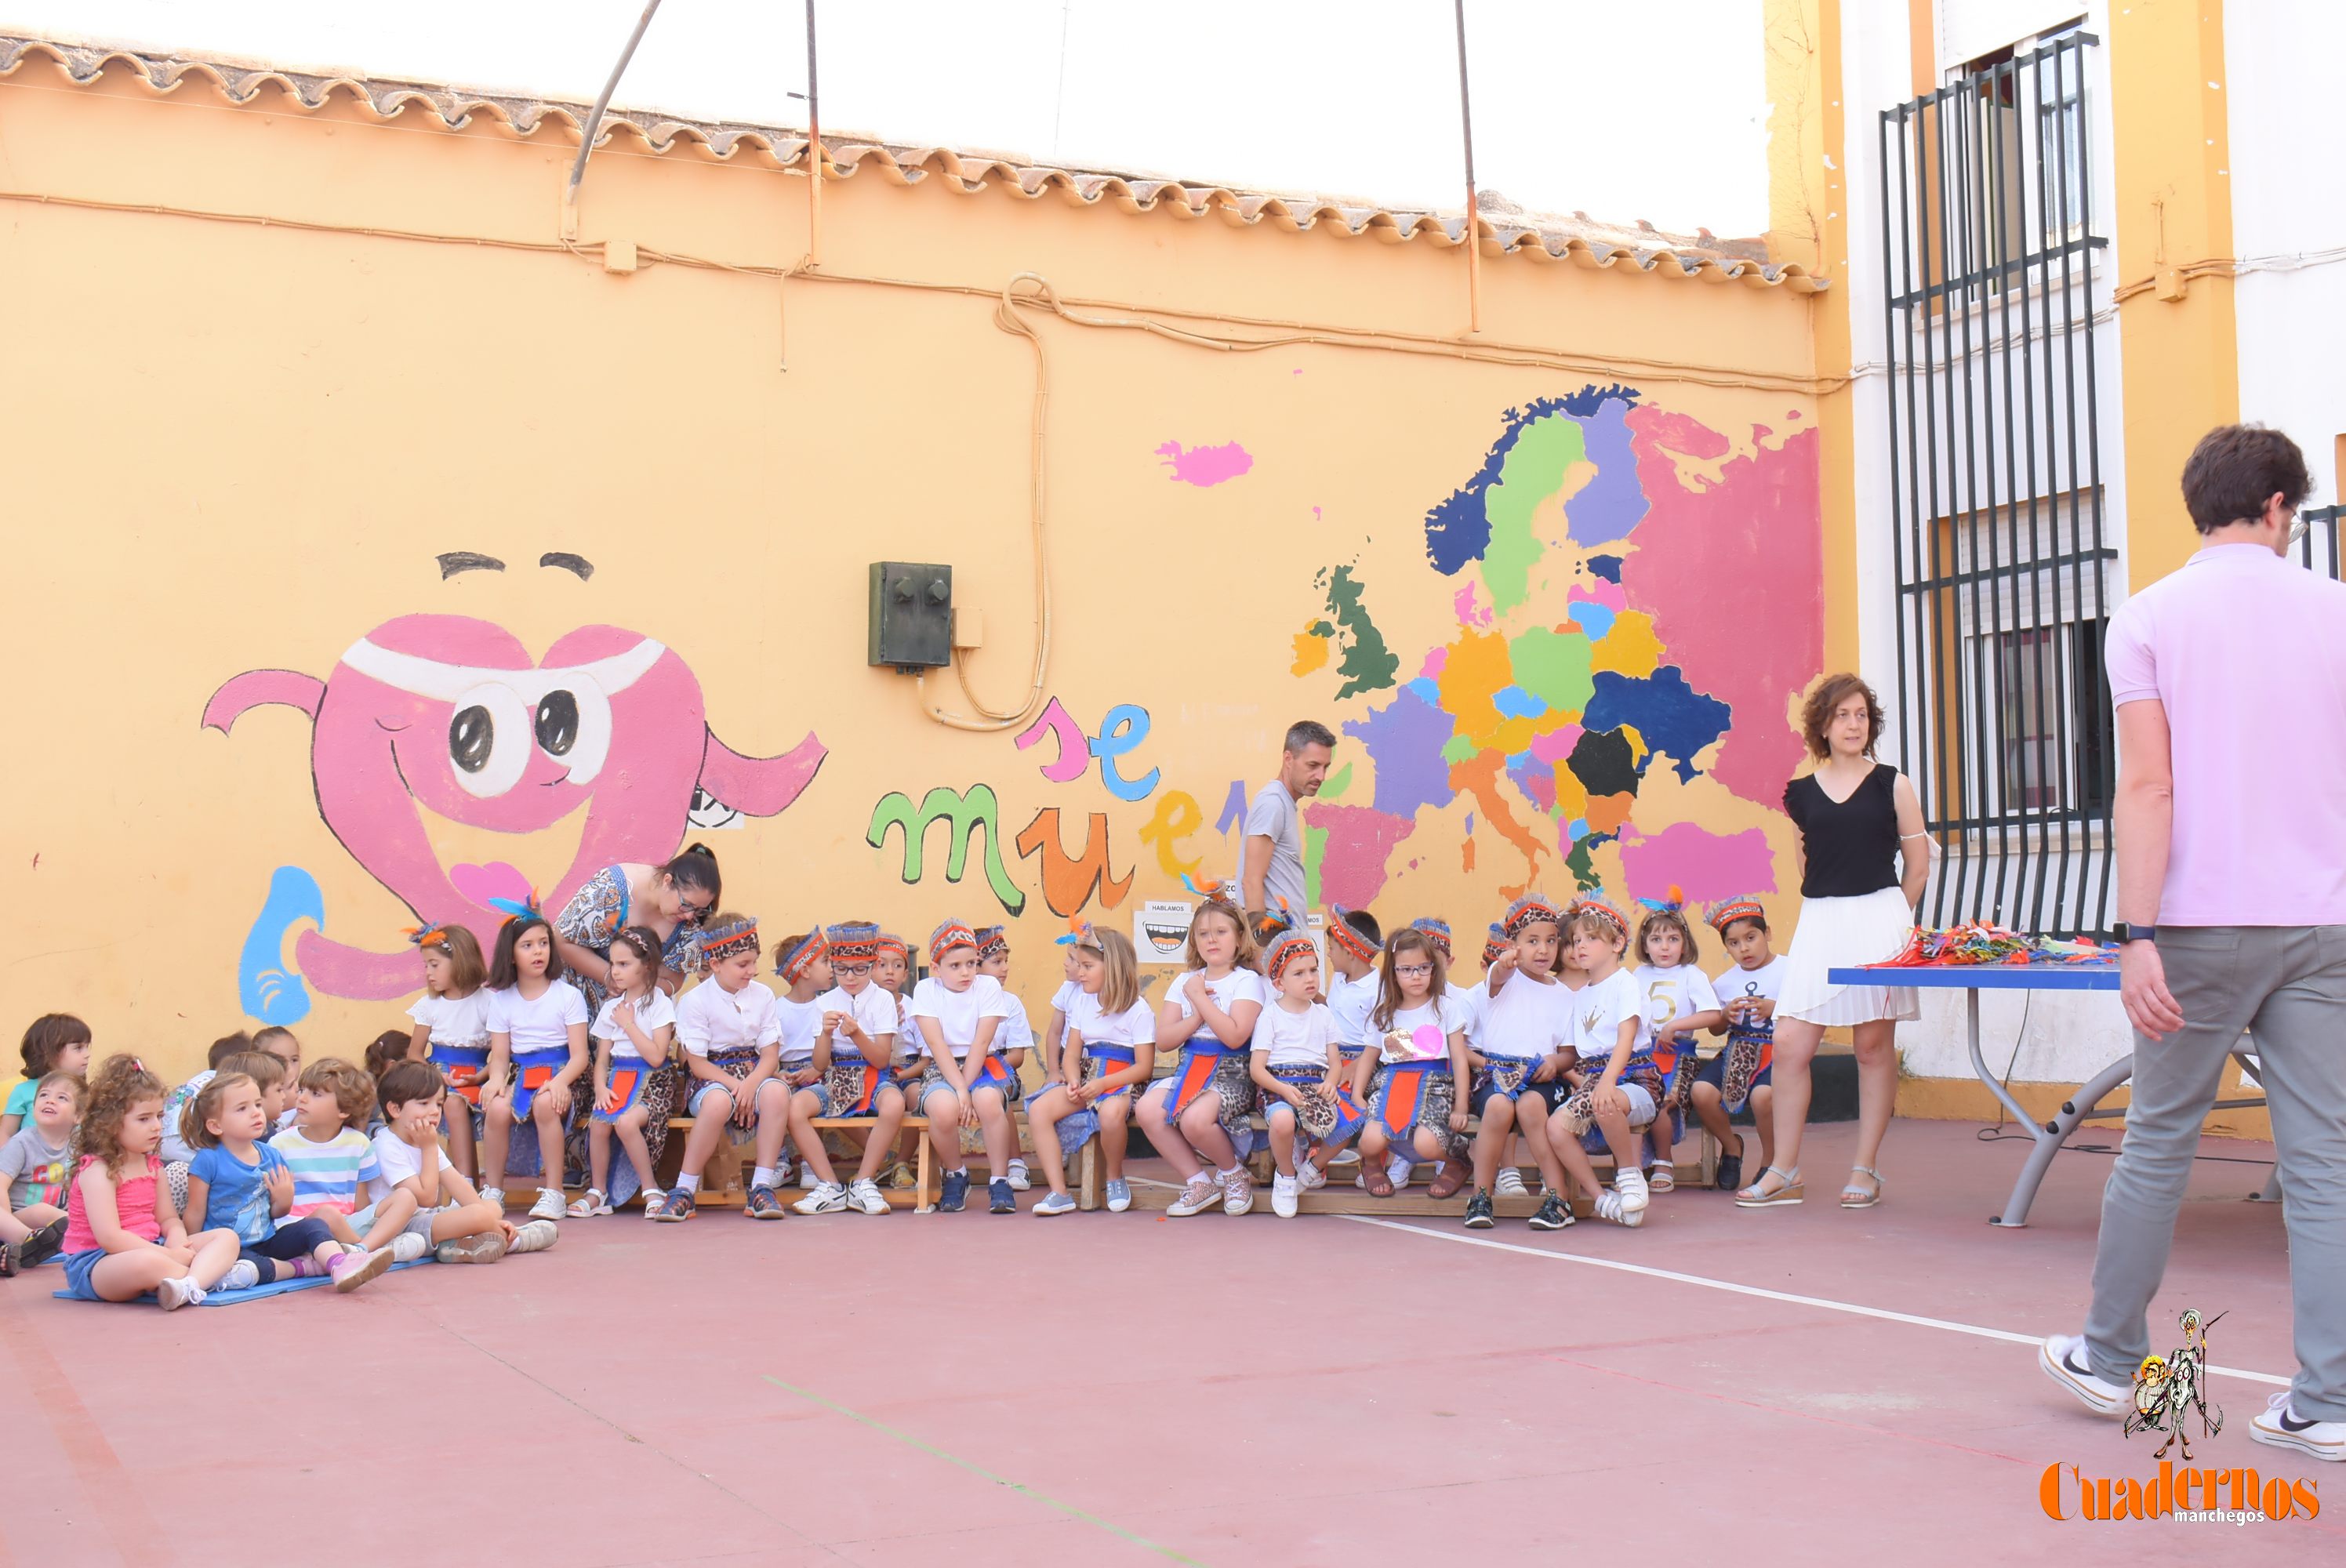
(1529, 910)
(1340, 932)
(1497, 944)
(888, 942)
(1437, 928)
(721, 943)
(793, 958)
(854, 939)
(991, 940)
(1718, 917)
(428, 936)
(1214, 892)
(1603, 912)
(1285, 948)
(1673, 902)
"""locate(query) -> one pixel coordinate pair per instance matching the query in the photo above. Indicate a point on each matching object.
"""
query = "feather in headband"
(854, 939)
(721, 942)
(948, 936)
(1285, 948)
(1340, 932)
(1718, 917)
(792, 958)
(1528, 910)
(1435, 926)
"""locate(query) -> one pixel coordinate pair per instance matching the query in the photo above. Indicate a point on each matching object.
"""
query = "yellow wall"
(240, 448)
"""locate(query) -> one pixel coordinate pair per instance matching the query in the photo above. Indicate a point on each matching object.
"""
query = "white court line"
(1829, 1305)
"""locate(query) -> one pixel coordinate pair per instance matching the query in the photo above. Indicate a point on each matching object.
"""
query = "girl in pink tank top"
(123, 1237)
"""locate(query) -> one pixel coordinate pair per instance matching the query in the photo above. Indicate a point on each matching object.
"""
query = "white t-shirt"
(797, 1022)
(710, 1018)
(1761, 984)
(875, 1012)
(540, 1025)
(1016, 1032)
(1446, 1013)
(1295, 1038)
(1238, 985)
(459, 1021)
(1136, 1027)
(1064, 999)
(1476, 1000)
(398, 1159)
(1526, 1021)
(1667, 993)
(957, 1012)
(652, 1014)
(1350, 1000)
(1599, 1009)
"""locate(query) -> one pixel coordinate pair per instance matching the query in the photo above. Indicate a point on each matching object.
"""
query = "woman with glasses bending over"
(1864, 857)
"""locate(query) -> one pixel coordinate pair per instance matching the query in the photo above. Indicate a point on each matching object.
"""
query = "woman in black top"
(1863, 860)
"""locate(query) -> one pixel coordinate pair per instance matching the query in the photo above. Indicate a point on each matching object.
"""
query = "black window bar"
(2317, 543)
(1999, 540)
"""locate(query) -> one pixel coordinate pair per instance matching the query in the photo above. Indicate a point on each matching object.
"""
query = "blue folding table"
(1972, 979)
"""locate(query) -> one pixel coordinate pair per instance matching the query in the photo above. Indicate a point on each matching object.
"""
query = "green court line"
(908, 1441)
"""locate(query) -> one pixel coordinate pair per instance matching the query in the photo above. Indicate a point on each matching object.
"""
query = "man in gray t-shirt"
(1272, 863)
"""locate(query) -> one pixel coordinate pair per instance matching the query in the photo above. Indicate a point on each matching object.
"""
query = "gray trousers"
(2286, 986)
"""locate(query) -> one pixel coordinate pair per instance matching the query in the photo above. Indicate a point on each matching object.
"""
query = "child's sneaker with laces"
(1000, 1198)
(496, 1195)
(956, 1191)
(1283, 1193)
(173, 1293)
(1237, 1191)
(1200, 1193)
(353, 1269)
(828, 1197)
(865, 1197)
(549, 1204)
(242, 1275)
(485, 1248)
(2280, 1426)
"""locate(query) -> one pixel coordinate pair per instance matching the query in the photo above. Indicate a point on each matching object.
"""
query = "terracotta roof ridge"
(1504, 227)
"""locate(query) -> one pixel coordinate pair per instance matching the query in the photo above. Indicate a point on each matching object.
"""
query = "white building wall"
(2063, 1038)
(2289, 204)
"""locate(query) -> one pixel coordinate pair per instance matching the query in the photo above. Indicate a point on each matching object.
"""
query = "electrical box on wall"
(912, 615)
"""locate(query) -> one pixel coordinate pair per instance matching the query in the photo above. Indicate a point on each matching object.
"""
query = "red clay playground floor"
(1794, 1386)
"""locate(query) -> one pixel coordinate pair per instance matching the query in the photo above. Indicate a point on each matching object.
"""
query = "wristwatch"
(2127, 933)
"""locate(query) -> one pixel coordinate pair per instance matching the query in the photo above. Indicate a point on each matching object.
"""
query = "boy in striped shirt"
(329, 1155)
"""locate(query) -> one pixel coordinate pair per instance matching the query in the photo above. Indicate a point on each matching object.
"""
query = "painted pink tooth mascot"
(453, 713)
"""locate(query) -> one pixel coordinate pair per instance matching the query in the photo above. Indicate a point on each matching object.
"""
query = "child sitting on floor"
(55, 1042)
(1417, 1110)
(1106, 1052)
(965, 1081)
(631, 1035)
(239, 1183)
(1740, 1073)
(731, 1033)
(460, 1225)
(452, 1031)
(32, 1166)
(280, 1042)
(123, 1234)
(332, 1157)
(1678, 1003)
(858, 1031)
(172, 1151)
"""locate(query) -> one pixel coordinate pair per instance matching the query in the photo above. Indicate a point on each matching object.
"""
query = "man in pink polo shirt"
(2229, 681)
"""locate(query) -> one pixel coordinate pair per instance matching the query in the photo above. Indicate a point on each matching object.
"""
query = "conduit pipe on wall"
(595, 117)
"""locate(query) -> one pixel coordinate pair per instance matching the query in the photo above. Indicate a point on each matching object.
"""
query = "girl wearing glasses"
(1423, 1029)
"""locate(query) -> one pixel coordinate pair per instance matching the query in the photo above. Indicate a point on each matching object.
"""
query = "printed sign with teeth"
(1161, 930)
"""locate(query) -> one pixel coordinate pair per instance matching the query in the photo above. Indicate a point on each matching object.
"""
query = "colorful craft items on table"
(1977, 942)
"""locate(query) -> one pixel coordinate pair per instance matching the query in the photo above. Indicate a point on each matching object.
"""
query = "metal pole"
(1466, 130)
(603, 101)
(814, 149)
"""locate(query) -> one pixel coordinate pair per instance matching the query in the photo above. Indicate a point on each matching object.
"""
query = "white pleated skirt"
(1843, 933)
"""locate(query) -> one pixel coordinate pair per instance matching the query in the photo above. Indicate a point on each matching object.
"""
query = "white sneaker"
(829, 1197)
(865, 1197)
(1309, 1177)
(1510, 1183)
(1346, 1157)
(1631, 1185)
(407, 1246)
(2279, 1426)
(2062, 1358)
(174, 1294)
(549, 1204)
(535, 1237)
(496, 1195)
(242, 1275)
(808, 1180)
(1017, 1178)
(1284, 1191)
(1610, 1207)
(1200, 1193)
(1397, 1171)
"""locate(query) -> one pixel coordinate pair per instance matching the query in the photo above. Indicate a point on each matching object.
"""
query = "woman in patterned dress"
(670, 901)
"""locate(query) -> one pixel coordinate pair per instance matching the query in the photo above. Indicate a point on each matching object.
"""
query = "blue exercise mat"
(238, 1298)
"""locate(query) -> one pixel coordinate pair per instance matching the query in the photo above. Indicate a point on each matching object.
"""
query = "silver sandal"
(1851, 1190)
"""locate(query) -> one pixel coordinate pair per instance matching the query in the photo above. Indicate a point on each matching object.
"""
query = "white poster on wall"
(1161, 930)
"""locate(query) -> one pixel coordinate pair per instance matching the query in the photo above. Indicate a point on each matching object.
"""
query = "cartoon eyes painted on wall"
(500, 713)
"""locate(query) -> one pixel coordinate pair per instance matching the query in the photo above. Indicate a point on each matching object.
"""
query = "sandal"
(593, 1203)
(1851, 1191)
(1379, 1181)
(1454, 1176)
(654, 1203)
(1759, 1195)
(1662, 1179)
